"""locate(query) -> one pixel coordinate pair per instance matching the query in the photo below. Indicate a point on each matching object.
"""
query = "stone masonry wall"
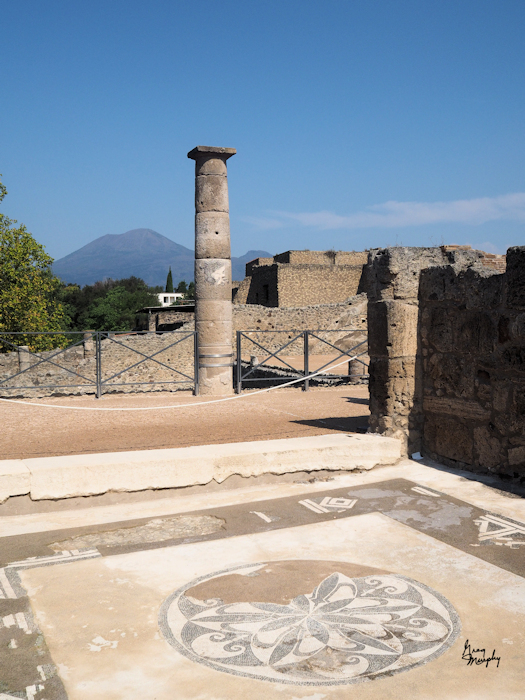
(301, 285)
(169, 319)
(396, 407)
(350, 316)
(116, 356)
(282, 285)
(447, 354)
(301, 278)
(321, 257)
(261, 287)
(472, 329)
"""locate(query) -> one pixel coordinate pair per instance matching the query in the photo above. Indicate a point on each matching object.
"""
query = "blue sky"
(357, 124)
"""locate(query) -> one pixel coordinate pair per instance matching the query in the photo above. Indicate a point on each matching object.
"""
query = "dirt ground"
(30, 431)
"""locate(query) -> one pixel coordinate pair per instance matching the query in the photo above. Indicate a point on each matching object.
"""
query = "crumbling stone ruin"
(302, 278)
(447, 349)
(446, 336)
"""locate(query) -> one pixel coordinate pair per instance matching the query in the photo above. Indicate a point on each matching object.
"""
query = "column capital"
(210, 151)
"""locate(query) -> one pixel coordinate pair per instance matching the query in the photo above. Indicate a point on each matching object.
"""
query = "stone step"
(92, 474)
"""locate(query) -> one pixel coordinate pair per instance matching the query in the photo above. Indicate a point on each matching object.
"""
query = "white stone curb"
(87, 475)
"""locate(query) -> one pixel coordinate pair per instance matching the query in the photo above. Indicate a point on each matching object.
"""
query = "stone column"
(213, 275)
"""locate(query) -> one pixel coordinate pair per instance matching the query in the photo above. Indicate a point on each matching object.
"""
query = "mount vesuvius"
(141, 252)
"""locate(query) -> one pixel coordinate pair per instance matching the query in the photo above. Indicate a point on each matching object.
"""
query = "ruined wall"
(472, 330)
(169, 319)
(257, 262)
(302, 278)
(447, 349)
(490, 260)
(261, 287)
(320, 257)
(240, 291)
(297, 285)
(116, 357)
(351, 317)
(351, 314)
(301, 285)
(396, 404)
(123, 351)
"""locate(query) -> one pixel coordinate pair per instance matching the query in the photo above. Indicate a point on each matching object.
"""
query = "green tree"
(29, 292)
(113, 304)
(169, 283)
(182, 287)
(83, 305)
(191, 291)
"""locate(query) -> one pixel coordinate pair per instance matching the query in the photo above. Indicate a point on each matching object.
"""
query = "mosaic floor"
(373, 583)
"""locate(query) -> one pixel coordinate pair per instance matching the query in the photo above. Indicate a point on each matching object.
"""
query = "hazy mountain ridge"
(141, 252)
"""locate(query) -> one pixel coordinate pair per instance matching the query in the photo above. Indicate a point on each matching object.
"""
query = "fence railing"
(97, 361)
(298, 344)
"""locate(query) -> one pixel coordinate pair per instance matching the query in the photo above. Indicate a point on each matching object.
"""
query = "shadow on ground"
(356, 399)
(352, 424)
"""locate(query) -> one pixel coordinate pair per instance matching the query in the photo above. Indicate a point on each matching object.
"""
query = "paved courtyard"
(403, 581)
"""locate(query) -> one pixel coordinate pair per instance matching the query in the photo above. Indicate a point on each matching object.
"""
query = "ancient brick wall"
(302, 277)
(240, 291)
(262, 287)
(126, 352)
(258, 262)
(447, 349)
(117, 354)
(490, 260)
(170, 319)
(302, 285)
(351, 317)
(265, 326)
(319, 257)
(472, 330)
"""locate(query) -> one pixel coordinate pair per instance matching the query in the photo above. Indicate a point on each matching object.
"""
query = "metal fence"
(98, 362)
(95, 361)
(298, 343)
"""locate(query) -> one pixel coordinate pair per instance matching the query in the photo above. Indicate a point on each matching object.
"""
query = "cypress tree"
(169, 282)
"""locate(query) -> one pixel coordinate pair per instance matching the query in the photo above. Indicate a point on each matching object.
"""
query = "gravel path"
(29, 431)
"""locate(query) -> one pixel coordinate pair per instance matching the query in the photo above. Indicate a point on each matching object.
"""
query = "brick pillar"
(213, 277)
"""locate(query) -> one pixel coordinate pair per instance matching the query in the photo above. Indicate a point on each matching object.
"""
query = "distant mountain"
(143, 253)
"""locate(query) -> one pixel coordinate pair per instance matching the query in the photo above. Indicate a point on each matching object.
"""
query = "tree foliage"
(28, 289)
(110, 305)
(188, 290)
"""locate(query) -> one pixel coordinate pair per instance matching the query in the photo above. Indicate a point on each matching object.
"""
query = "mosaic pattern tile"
(346, 629)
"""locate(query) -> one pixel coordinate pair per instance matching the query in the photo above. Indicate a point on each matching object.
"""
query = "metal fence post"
(195, 364)
(238, 367)
(98, 364)
(306, 362)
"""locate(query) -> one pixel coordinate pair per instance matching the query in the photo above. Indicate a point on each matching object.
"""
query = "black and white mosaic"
(345, 630)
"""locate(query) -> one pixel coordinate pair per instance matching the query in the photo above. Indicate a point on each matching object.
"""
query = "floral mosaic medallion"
(308, 622)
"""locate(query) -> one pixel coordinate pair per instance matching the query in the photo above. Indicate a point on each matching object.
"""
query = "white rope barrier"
(183, 405)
